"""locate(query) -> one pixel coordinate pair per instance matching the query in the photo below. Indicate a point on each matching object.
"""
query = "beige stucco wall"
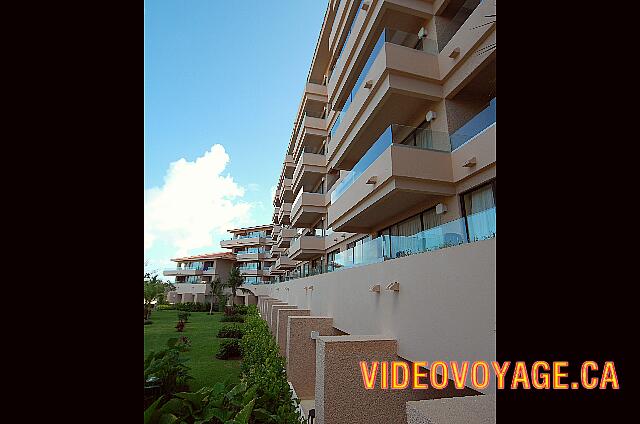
(445, 309)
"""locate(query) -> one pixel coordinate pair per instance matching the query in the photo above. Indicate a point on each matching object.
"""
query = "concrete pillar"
(301, 351)
(281, 325)
(340, 395)
(266, 306)
(199, 297)
(269, 308)
(261, 302)
(273, 317)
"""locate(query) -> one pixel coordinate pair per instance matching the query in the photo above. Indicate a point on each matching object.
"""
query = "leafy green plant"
(229, 349)
(232, 318)
(184, 316)
(166, 369)
(231, 332)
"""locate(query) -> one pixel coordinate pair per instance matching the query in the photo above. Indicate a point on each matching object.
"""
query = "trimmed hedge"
(229, 349)
(231, 332)
(232, 318)
(263, 395)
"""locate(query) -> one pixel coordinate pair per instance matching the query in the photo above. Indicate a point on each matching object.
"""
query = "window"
(479, 209)
(400, 239)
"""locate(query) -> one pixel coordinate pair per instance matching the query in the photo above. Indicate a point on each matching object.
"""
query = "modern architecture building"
(384, 233)
(252, 249)
(193, 275)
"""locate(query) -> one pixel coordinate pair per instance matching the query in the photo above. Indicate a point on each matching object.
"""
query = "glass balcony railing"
(475, 126)
(393, 36)
(421, 138)
(476, 227)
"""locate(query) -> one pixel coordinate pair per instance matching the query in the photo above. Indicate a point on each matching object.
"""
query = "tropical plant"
(166, 369)
(216, 290)
(154, 287)
(184, 316)
(234, 282)
(180, 326)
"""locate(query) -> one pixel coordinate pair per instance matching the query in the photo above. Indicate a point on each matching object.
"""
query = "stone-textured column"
(340, 395)
(281, 325)
(273, 318)
(301, 351)
(267, 309)
(261, 303)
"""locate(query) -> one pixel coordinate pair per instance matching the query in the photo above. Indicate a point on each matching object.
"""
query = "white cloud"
(195, 205)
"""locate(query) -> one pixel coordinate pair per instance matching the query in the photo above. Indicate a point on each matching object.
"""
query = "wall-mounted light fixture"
(441, 208)
(368, 84)
(469, 163)
(430, 116)
(365, 5)
(375, 288)
(372, 180)
(454, 53)
(395, 286)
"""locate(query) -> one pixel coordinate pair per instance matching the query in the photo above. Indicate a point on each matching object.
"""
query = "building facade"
(193, 275)
(252, 249)
(384, 231)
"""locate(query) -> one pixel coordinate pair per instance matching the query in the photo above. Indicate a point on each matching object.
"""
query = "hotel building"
(252, 249)
(193, 275)
(384, 234)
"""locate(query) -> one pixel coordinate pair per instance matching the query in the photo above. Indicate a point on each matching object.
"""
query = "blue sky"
(218, 72)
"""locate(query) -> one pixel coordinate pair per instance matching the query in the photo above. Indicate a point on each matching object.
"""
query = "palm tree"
(216, 289)
(153, 288)
(234, 282)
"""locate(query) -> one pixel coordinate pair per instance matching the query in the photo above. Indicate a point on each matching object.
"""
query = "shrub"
(180, 326)
(263, 395)
(235, 310)
(165, 372)
(184, 316)
(232, 318)
(193, 307)
(147, 322)
(229, 349)
(230, 332)
(165, 307)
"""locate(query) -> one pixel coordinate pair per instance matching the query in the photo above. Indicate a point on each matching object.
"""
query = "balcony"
(308, 208)
(245, 272)
(405, 167)
(305, 248)
(286, 192)
(285, 237)
(181, 271)
(400, 77)
(284, 263)
(470, 229)
(309, 171)
(311, 134)
(404, 15)
(276, 212)
(276, 230)
(283, 214)
(245, 241)
(241, 257)
(276, 198)
(288, 166)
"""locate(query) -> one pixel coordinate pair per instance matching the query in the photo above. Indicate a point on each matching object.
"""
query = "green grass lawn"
(202, 329)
